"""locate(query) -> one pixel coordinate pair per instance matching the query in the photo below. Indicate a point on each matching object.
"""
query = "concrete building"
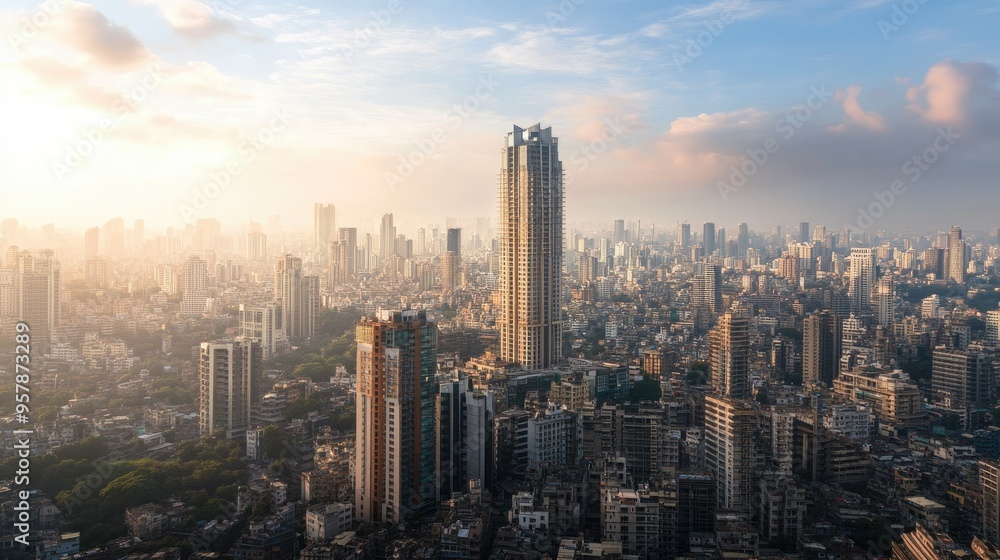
(298, 297)
(326, 521)
(394, 466)
(729, 343)
(531, 248)
(962, 379)
(229, 375)
(861, 278)
(262, 323)
(821, 348)
(730, 451)
(464, 418)
(553, 437)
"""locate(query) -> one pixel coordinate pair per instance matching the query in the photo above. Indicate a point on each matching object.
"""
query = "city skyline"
(659, 107)
(732, 289)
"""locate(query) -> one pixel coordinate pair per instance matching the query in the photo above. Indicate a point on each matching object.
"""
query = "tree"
(274, 441)
(699, 373)
(646, 389)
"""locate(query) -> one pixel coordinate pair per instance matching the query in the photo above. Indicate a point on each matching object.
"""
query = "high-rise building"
(743, 240)
(684, 236)
(229, 376)
(387, 239)
(962, 378)
(262, 324)
(344, 256)
(989, 483)
(804, 232)
(706, 287)
(138, 236)
(993, 325)
(708, 238)
(531, 248)
(298, 296)
(9, 228)
(861, 278)
(821, 348)
(207, 234)
(324, 226)
(38, 292)
(884, 301)
(256, 249)
(729, 343)
(731, 452)
(451, 261)
(618, 234)
(934, 258)
(394, 465)
(955, 256)
(113, 239)
(91, 243)
(97, 272)
(464, 420)
(194, 286)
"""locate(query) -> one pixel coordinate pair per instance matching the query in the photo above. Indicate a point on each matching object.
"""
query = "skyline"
(335, 97)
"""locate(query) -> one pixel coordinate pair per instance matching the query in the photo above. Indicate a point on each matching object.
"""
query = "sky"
(865, 113)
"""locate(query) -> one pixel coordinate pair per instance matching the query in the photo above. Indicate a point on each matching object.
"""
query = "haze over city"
(680, 93)
(575, 280)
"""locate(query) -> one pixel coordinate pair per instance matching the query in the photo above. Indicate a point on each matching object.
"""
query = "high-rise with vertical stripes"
(531, 248)
(396, 446)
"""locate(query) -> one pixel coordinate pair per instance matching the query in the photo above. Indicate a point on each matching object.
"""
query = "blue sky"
(655, 104)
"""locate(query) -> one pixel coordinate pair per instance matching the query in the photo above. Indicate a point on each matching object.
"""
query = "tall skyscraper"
(708, 238)
(743, 239)
(962, 378)
(729, 346)
(228, 376)
(822, 341)
(731, 451)
(194, 286)
(344, 256)
(684, 235)
(324, 226)
(464, 419)
(531, 248)
(207, 234)
(298, 296)
(884, 301)
(138, 236)
(113, 239)
(451, 260)
(387, 239)
(38, 291)
(934, 262)
(394, 466)
(618, 233)
(989, 482)
(861, 278)
(91, 243)
(955, 256)
(256, 248)
(804, 232)
(706, 287)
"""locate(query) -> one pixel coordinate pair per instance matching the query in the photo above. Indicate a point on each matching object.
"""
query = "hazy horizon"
(697, 112)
